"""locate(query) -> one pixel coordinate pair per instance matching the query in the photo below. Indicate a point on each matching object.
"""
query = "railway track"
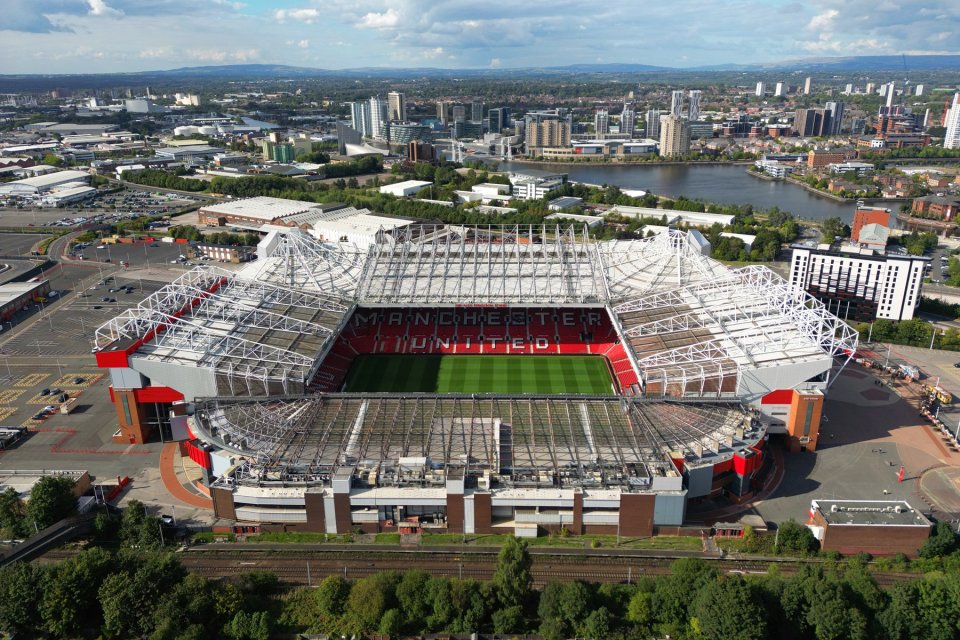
(308, 566)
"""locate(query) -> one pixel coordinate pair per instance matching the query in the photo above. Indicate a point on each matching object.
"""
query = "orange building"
(868, 215)
(819, 159)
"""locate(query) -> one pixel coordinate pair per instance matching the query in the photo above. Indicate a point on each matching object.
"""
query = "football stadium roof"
(693, 327)
(521, 440)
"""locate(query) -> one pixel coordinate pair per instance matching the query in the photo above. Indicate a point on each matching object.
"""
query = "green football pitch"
(509, 375)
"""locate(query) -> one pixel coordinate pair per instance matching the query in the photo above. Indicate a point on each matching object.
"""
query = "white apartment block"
(859, 284)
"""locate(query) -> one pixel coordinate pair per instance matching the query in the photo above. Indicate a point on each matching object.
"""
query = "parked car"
(45, 392)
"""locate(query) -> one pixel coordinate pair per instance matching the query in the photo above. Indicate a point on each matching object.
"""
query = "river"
(724, 183)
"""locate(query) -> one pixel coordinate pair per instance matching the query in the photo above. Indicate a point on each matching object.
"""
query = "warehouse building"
(39, 185)
(16, 296)
(877, 527)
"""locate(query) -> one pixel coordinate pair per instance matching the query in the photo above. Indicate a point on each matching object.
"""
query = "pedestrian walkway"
(173, 478)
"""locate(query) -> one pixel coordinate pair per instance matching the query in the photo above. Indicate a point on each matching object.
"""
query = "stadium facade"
(248, 369)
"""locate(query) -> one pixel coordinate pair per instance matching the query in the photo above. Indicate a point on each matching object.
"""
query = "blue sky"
(83, 36)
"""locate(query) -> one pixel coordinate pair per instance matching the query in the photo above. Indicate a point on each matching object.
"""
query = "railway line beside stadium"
(299, 565)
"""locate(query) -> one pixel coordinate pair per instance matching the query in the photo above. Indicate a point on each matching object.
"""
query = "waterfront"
(715, 183)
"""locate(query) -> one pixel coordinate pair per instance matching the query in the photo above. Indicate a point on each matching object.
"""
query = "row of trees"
(149, 595)
(165, 179)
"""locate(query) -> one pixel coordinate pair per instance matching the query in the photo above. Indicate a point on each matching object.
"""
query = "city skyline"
(106, 36)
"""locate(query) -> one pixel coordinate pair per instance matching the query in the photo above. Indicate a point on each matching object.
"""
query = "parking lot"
(104, 208)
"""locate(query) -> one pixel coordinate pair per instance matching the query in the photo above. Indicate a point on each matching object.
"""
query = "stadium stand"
(478, 330)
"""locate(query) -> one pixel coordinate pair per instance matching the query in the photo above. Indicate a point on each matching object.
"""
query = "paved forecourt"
(501, 374)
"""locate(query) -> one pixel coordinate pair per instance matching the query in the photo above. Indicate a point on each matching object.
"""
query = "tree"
(19, 598)
(412, 596)
(69, 601)
(51, 500)
(331, 596)
(512, 578)
(793, 537)
(508, 620)
(834, 227)
(13, 513)
(942, 542)
(254, 625)
(366, 605)
(597, 624)
(729, 608)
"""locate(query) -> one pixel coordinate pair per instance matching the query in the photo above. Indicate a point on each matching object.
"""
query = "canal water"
(729, 184)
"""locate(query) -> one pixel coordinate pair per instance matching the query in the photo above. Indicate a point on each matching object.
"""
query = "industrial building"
(858, 283)
(248, 367)
(16, 296)
(38, 185)
(877, 527)
(405, 188)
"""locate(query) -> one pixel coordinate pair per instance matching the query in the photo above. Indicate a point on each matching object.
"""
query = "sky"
(100, 36)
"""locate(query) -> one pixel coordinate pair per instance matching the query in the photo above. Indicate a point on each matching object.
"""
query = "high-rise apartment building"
(652, 122)
(601, 122)
(812, 122)
(378, 118)
(780, 90)
(499, 119)
(396, 106)
(674, 136)
(458, 113)
(847, 90)
(952, 139)
(859, 286)
(360, 117)
(628, 119)
(546, 130)
(676, 103)
(918, 91)
(761, 89)
(870, 88)
(443, 111)
(476, 111)
(835, 109)
(807, 86)
(891, 93)
(693, 113)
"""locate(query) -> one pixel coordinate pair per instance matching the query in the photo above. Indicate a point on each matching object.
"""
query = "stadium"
(474, 379)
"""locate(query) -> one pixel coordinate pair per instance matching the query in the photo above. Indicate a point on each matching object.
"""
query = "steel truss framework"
(523, 264)
(275, 324)
(668, 259)
(756, 318)
(524, 441)
(301, 262)
(210, 318)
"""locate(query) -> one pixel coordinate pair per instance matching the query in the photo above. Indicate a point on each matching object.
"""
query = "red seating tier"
(480, 330)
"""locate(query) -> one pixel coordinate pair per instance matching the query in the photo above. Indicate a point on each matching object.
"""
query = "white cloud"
(300, 15)
(433, 54)
(154, 53)
(386, 20)
(495, 63)
(100, 8)
(823, 21)
(303, 44)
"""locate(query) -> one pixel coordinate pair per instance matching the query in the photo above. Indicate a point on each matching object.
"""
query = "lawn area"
(502, 374)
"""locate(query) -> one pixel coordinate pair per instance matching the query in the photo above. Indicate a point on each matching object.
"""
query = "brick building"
(820, 159)
(877, 527)
(940, 207)
(868, 215)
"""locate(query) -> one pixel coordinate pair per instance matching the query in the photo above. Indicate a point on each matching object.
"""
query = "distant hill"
(912, 63)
